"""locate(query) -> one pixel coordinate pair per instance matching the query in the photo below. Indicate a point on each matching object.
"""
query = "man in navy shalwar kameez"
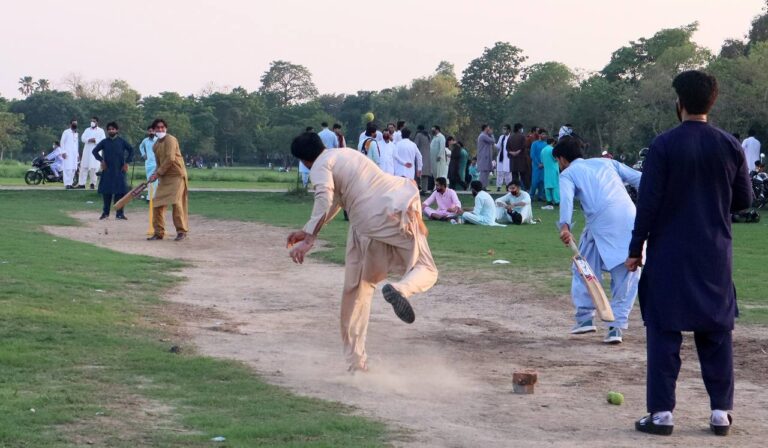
(693, 178)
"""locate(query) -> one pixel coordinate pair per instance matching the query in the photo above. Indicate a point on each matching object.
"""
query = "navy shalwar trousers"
(715, 351)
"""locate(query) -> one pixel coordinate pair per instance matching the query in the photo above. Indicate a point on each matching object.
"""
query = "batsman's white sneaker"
(585, 326)
(614, 336)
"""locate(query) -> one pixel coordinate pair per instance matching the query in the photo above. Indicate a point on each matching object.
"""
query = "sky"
(348, 45)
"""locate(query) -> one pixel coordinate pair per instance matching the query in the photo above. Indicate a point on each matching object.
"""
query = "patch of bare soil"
(447, 379)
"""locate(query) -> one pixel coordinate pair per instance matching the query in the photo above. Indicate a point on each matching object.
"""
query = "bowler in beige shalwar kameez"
(386, 234)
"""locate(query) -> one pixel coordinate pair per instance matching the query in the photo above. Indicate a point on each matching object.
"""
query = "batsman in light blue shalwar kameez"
(150, 165)
(610, 215)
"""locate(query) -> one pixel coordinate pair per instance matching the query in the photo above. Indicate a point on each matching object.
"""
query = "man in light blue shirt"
(328, 136)
(484, 212)
(148, 154)
(610, 216)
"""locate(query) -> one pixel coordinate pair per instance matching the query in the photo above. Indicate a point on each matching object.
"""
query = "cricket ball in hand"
(615, 398)
(368, 117)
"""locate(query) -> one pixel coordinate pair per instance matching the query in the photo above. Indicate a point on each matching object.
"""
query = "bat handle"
(574, 248)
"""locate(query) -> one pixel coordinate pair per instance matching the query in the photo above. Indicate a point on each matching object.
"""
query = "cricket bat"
(131, 195)
(599, 299)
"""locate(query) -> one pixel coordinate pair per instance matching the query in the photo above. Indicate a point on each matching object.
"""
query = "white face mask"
(93, 124)
(159, 135)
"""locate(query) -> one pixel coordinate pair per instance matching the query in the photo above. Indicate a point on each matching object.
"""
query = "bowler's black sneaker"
(647, 425)
(400, 304)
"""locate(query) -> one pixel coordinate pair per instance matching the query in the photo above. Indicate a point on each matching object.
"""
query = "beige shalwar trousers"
(368, 262)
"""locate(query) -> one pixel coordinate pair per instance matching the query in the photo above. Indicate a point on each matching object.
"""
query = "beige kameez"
(172, 186)
(386, 234)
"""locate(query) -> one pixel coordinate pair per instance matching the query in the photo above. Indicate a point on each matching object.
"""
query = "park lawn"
(84, 341)
(537, 257)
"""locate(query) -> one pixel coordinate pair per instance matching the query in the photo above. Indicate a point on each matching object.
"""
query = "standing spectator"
(408, 161)
(457, 167)
(339, 135)
(70, 151)
(370, 147)
(304, 173)
(145, 148)
(437, 157)
(533, 135)
(422, 143)
(503, 174)
(448, 204)
(114, 155)
(485, 144)
(684, 215)
(88, 163)
(328, 136)
(515, 206)
(516, 148)
(377, 137)
(551, 176)
(398, 134)
(751, 147)
(484, 211)
(172, 189)
(387, 154)
(537, 168)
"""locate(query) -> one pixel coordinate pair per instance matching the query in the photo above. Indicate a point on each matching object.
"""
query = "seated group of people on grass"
(512, 208)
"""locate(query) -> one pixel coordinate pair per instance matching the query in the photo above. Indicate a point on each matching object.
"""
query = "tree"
(12, 132)
(446, 68)
(489, 81)
(733, 48)
(288, 84)
(540, 98)
(628, 62)
(42, 85)
(27, 85)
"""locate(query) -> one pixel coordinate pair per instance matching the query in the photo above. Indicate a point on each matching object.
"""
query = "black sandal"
(647, 426)
(400, 304)
(721, 430)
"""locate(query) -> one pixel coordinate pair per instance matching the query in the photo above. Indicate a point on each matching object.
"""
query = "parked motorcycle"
(41, 172)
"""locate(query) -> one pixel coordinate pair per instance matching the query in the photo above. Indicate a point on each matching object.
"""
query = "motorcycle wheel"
(33, 178)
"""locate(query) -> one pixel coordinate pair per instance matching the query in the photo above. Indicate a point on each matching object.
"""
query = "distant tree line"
(620, 108)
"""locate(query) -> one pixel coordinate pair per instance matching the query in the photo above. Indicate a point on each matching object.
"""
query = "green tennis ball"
(368, 117)
(615, 398)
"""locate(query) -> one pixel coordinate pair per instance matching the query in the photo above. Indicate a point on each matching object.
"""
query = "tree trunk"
(2, 153)
(599, 136)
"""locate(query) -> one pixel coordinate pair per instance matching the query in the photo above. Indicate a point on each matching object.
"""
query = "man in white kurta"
(406, 152)
(386, 233)
(609, 213)
(437, 155)
(387, 154)
(503, 173)
(70, 146)
(55, 157)
(484, 211)
(751, 147)
(515, 206)
(88, 163)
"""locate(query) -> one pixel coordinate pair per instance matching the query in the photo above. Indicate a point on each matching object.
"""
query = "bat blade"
(131, 195)
(595, 289)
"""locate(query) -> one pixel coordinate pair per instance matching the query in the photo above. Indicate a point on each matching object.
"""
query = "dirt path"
(446, 380)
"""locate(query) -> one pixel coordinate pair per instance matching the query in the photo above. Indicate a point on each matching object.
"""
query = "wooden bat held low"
(596, 291)
(131, 195)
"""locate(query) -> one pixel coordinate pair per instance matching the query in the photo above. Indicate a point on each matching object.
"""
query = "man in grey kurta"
(427, 182)
(485, 144)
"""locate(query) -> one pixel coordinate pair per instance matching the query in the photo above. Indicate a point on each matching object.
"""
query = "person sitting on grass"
(448, 204)
(515, 206)
(484, 212)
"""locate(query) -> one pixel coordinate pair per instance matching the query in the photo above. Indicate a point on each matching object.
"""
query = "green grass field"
(82, 339)
(81, 327)
(252, 178)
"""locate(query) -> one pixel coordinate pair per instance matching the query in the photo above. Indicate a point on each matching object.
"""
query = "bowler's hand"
(300, 250)
(152, 178)
(296, 237)
(125, 167)
(408, 165)
(633, 263)
(566, 236)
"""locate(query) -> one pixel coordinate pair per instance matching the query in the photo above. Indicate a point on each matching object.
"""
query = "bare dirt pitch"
(445, 380)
